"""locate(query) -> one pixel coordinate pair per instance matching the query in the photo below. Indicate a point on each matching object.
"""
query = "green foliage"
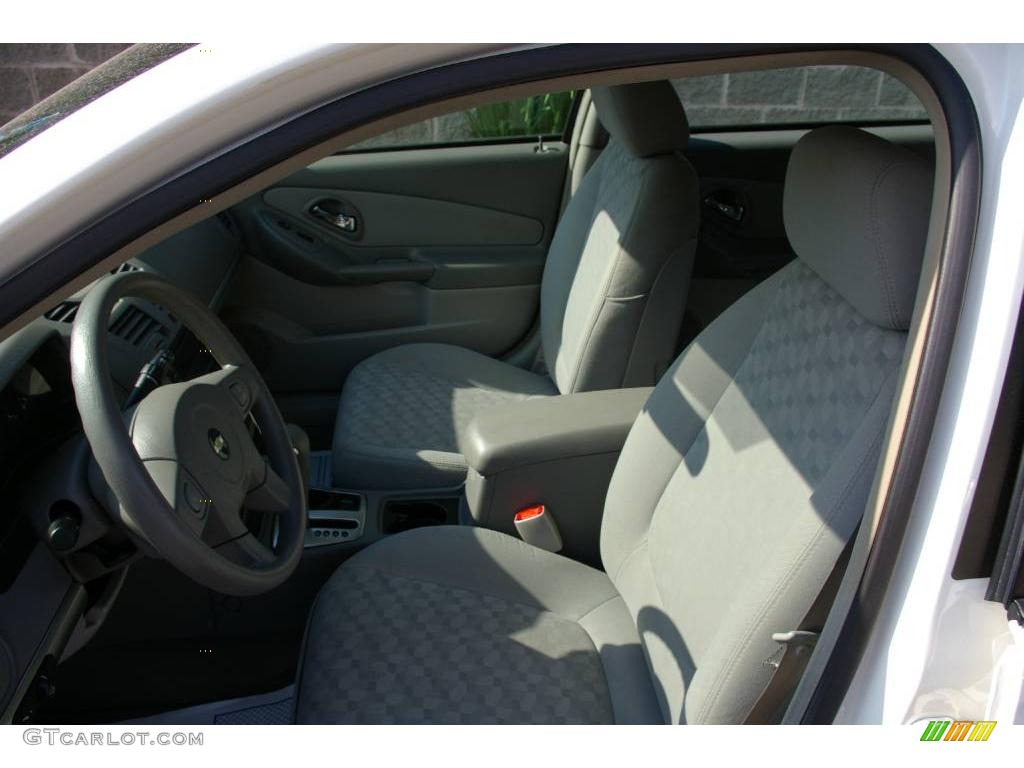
(533, 116)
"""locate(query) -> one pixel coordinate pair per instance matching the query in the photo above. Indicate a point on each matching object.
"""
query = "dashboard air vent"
(126, 267)
(135, 326)
(63, 313)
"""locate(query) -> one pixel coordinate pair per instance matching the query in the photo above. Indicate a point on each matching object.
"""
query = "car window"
(547, 115)
(797, 96)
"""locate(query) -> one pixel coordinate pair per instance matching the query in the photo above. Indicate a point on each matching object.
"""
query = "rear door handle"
(731, 210)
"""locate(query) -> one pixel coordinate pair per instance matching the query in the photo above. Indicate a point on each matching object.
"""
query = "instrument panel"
(42, 448)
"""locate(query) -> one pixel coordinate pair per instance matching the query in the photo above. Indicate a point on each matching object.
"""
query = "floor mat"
(104, 685)
(277, 708)
(279, 713)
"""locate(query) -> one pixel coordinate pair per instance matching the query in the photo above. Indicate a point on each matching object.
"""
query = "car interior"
(572, 401)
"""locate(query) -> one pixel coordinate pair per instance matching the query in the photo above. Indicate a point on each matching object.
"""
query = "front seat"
(612, 297)
(737, 489)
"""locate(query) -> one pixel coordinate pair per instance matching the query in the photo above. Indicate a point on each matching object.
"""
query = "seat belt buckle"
(537, 527)
(797, 641)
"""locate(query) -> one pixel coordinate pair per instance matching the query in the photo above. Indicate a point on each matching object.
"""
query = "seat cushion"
(466, 625)
(403, 411)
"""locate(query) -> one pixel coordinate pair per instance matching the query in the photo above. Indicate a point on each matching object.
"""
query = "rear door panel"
(742, 235)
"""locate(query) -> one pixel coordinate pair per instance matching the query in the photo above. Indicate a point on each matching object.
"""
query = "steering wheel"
(183, 464)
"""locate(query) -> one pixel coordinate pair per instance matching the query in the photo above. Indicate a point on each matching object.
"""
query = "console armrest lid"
(547, 428)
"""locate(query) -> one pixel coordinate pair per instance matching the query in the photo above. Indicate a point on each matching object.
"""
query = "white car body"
(939, 640)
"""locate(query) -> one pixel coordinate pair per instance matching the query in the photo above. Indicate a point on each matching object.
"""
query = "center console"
(555, 452)
(335, 517)
(342, 516)
(558, 452)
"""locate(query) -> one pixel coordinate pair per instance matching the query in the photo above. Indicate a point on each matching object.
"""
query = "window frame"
(807, 125)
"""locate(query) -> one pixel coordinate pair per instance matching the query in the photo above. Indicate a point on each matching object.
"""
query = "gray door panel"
(389, 220)
(504, 177)
(300, 340)
(449, 246)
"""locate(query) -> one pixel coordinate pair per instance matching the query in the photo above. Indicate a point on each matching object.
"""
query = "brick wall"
(805, 95)
(29, 72)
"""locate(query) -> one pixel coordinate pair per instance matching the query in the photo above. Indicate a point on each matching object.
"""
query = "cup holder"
(405, 514)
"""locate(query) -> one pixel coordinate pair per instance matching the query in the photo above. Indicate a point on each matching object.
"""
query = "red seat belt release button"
(537, 527)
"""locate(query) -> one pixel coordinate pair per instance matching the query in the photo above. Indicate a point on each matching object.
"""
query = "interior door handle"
(335, 218)
(731, 209)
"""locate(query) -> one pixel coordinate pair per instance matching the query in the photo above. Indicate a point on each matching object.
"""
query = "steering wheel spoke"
(246, 550)
(268, 492)
(183, 493)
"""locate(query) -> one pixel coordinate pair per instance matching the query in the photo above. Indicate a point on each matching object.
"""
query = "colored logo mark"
(958, 730)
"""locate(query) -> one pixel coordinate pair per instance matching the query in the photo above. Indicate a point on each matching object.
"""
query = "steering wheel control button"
(241, 394)
(195, 500)
(219, 443)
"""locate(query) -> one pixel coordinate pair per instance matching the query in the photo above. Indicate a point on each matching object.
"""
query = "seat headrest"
(856, 209)
(646, 118)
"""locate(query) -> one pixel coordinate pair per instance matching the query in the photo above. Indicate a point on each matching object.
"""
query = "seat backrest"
(618, 269)
(750, 466)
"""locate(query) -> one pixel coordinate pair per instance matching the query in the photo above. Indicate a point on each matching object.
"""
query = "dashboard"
(45, 460)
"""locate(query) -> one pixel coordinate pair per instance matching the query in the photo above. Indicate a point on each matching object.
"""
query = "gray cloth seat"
(467, 625)
(612, 297)
(737, 489)
(404, 409)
